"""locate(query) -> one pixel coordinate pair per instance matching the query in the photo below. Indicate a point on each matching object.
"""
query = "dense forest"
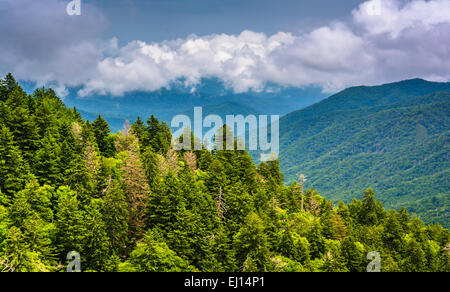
(394, 136)
(129, 202)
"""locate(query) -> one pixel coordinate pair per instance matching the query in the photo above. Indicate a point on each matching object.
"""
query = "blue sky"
(121, 46)
(158, 20)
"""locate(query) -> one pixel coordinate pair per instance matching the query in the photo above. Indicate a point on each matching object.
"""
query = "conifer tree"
(18, 256)
(99, 255)
(101, 131)
(251, 244)
(22, 123)
(153, 255)
(47, 162)
(6, 86)
(135, 183)
(371, 211)
(115, 214)
(13, 169)
(70, 224)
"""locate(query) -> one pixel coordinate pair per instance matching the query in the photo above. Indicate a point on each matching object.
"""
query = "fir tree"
(13, 169)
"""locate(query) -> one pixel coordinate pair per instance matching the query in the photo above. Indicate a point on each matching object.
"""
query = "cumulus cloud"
(386, 40)
(390, 16)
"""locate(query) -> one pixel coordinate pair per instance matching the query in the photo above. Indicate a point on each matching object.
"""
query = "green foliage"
(105, 142)
(13, 168)
(153, 255)
(393, 138)
(128, 202)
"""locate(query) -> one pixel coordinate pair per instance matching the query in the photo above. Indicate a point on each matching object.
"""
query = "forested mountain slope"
(386, 137)
(129, 202)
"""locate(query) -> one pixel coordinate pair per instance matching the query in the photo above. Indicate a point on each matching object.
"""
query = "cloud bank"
(384, 41)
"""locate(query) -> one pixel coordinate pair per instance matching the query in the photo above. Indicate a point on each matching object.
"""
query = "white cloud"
(393, 18)
(403, 40)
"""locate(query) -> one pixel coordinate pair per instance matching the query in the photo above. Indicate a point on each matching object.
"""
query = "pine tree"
(6, 86)
(414, 257)
(115, 214)
(371, 211)
(22, 123)
(153, 255)
(18, 256)
(48, 111)
(251, 244)
(354, 254)
(139, 128)
(157, 136)
(98, 251)
(101, 131)
(47, 163)
(70, 224)
(135, 183)
(13, 169)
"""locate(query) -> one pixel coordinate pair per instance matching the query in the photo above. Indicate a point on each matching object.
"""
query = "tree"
(354, 255)
(101, 131)
(6, 86)
(414, 257)
(371, 211)
(135, 183)
(47, 162)
(139, 128)
(22, 123)
(157, 136)
(153, 255)
(335, 261)
(115, 212)
(18, 257)
(251, 244)
(270, 171)
(99, 255)
(70, 224)
(13, 169)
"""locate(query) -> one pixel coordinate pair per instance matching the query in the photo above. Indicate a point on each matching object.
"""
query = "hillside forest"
(128, 202)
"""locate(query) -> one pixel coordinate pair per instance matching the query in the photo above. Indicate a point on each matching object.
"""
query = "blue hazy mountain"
(211, 94)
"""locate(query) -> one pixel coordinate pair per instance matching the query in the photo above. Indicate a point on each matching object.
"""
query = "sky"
(116, 47)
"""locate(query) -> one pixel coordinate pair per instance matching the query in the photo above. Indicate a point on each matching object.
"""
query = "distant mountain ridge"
(168, 102)
(394, 138)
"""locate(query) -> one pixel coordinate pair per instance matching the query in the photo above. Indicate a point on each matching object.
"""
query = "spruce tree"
(13, 169)
(115, 214)
(70, 223)
(101, 131)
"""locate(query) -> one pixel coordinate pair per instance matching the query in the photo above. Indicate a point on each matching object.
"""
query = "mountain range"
(394, 138)
(211, 94)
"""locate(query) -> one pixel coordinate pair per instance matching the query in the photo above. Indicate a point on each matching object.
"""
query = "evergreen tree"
(22, 124)
(115, 214)
(13, 169)
(251, 245)
(153, 255)
(47, 162)
(136, 188)
(98, 250)
(101, 131)
(70, 224)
